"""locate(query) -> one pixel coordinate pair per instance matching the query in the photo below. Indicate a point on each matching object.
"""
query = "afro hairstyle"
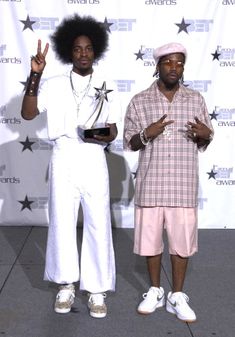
(71, 28)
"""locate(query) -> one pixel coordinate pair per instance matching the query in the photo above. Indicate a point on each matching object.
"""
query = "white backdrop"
(136, 27)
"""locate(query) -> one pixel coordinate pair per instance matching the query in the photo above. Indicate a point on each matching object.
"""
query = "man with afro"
(82, 112)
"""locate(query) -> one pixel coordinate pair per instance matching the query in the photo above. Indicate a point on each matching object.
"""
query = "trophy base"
(90, 133)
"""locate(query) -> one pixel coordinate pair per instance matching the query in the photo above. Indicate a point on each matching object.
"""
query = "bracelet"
(143, 138)
(33, 83)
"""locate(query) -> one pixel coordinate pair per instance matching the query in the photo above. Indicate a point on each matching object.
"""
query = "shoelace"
(97, 299)
(184, 296)
(180, 299)
(65, 294)
(157, 292)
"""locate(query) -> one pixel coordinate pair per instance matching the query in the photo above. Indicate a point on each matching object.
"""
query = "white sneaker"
(64, 299)
(177, 304)
(153, 299)
(97, 305)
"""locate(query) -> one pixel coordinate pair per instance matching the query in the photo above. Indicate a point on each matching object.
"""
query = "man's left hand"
(198, 130)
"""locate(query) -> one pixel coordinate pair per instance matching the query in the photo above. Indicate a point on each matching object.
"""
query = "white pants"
(78, 174)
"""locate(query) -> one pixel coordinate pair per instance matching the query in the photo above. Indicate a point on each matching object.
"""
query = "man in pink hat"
(168, 123)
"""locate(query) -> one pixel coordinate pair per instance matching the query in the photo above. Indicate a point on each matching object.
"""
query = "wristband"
(33, 83)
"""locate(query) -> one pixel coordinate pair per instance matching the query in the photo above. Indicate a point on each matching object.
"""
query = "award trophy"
(92, 127)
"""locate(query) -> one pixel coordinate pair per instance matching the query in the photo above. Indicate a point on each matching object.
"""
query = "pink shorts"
(180, 225)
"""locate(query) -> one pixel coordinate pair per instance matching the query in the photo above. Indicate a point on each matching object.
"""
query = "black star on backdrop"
(26, 203)
(24, 83)
(215, 55)
(214, 115)
(139, 55)
(27, 23)
(27, 144)
(106, 25)
(102, 92)
(182, 26)
(211, 174)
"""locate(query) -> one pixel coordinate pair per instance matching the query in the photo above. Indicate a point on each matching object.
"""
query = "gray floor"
(26, 301)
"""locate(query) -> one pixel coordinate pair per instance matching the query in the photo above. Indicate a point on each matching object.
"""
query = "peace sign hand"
(38, 62)
(156, 128)
(198, 130)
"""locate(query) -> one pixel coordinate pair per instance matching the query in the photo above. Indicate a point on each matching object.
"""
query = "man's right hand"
(38, 62)
(29, 108)
(156, 128)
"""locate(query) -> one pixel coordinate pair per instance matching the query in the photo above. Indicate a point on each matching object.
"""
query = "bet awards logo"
(145, 54)
(33, 203)
(201, 202)
(6, 58)
(83, 2)
(5, 179)
(199, 85)
(228, 2)
(161, 2)
(222, 175)
(223, 116)
(225, 56)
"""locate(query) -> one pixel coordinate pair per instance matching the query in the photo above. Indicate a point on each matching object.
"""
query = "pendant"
(167, 132)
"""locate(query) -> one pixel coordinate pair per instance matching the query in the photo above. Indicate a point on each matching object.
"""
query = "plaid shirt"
(167, 172)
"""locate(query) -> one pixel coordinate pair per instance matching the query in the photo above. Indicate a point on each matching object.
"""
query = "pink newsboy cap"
(169, 48)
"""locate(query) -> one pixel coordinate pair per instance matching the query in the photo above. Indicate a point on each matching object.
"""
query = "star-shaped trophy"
(92, 127)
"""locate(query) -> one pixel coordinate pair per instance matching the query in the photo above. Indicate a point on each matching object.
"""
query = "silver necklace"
(79, 96)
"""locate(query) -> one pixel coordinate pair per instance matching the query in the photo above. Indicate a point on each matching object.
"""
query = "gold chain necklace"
(77, 96)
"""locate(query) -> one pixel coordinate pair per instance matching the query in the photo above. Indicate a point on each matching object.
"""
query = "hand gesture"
(198, 130)
(156, 128)
(38, 62)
